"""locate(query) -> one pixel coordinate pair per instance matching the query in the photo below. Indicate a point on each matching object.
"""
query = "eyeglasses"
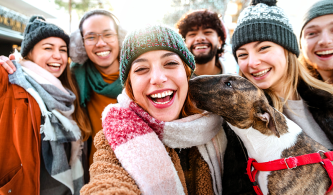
(92, 39)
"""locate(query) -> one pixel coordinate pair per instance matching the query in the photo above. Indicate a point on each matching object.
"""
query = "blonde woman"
(266, 50)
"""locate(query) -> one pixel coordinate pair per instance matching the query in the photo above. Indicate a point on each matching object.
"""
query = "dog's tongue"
(165, 99)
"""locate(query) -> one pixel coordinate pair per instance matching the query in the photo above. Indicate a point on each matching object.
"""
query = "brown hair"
(311, 69)
(188, 108)
(295, 71)
(79, 115)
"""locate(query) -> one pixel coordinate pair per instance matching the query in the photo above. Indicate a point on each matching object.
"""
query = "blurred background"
(14, 14)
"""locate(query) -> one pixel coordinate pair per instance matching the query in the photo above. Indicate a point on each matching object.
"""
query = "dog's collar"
(289, 163)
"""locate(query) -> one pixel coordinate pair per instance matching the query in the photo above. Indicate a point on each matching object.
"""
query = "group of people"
(98, 112)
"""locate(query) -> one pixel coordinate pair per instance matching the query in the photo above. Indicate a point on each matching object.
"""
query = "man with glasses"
(94, 51)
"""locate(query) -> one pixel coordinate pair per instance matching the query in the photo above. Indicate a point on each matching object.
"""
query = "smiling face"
(317, 43)
(104, 55)
(203, 44)
(263, 63)
(50, 54)
(159, 83)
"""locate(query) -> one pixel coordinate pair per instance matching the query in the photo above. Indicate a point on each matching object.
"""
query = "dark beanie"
(264, 21)
(36, 30)
(320, 8)
(150, 38)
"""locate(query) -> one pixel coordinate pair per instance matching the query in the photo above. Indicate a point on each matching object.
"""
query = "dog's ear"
(264, 112)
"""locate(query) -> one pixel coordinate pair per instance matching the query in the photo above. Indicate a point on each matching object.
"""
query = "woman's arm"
(106, 174)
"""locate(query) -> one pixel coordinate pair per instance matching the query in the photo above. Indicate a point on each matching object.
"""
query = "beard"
(204, 58)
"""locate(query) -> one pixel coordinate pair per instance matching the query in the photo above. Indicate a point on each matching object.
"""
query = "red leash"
(289, 163)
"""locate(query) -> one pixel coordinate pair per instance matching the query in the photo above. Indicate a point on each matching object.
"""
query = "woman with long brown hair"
(154, 140)
(42, 124)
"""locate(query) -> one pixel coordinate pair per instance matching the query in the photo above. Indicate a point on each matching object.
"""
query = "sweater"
(95, 108)
(298, 112)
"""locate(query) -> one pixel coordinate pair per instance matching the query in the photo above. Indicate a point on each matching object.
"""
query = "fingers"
(12, 57)
(7, 64)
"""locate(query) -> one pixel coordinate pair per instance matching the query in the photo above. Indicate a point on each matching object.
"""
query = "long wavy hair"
(188, 108)
(295, 71)
(80, 115)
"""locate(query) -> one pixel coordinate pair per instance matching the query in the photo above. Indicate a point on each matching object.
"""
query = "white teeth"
(104, 53)
(324, 52)
(201, 47)
(161, 95)
(53, 64)
(162, 102)
(261, 73)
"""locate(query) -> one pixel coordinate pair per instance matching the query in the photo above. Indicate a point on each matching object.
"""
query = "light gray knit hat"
(264, 21)
(321, 8)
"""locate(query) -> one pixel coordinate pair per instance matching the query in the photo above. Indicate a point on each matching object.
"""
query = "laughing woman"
(40, 142)
(269, 59)
(266, 50)
(154, 141)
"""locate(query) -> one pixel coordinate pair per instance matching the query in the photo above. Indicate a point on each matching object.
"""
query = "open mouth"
(162, 98)
(103, 53)
(200, 46)
(54, 66)
(325, 54)
(261, 73)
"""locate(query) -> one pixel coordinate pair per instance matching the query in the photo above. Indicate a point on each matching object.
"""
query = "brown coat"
(20, 139)
(107, 176)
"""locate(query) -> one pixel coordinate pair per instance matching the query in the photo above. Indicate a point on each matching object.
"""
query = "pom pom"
(267, 2)
(33, 18)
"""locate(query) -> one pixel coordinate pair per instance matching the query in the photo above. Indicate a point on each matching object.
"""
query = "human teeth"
(201, 47)
(324, 52)
(162, 102)
(261, 73)
(54, 64)
(161, 95)
(104, 53)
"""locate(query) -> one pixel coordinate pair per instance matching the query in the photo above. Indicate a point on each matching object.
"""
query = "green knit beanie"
(150, 38)
(264, 21)
(37, 30)
(323, 7)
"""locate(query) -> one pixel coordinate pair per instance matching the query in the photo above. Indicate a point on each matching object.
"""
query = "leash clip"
(285, 161)
(323, 152)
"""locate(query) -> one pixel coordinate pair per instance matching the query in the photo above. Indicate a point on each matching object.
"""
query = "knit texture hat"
(36, 30)
(264, 21)
(150, 38)
(323, 7)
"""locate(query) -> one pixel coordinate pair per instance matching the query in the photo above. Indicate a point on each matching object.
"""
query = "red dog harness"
(289, 163)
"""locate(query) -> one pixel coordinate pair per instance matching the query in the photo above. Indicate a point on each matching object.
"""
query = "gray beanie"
(37, 30)
(323, 7)
(264, 21)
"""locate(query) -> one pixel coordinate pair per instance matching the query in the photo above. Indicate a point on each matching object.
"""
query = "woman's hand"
(7, 63)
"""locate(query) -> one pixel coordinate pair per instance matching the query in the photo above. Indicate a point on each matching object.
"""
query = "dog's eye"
(228, 84)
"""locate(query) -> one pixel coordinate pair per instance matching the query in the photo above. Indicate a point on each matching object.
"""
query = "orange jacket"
(20, 140)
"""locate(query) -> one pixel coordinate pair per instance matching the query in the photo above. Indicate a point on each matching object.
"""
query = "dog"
(266, 133)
